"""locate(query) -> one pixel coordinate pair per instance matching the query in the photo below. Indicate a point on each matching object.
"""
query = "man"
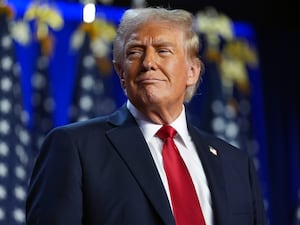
(112, 170)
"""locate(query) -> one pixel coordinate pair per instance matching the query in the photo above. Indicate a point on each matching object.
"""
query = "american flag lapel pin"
(213, 150)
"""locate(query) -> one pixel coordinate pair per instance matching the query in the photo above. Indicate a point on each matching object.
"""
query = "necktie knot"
(165, 132)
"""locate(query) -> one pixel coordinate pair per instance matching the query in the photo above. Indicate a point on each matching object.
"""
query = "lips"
(148, 80)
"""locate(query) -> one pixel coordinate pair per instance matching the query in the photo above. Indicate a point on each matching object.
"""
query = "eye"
(134, 53)
(164, 51)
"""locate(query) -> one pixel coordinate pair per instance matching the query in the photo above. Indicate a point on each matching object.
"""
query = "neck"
(161, 115)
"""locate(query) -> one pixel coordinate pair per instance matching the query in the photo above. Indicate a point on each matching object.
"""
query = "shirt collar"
(149, 128)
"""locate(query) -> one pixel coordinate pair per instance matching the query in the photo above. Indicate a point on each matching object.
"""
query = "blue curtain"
(279, 57)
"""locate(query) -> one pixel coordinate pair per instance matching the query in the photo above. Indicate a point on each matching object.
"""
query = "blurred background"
(55, 68)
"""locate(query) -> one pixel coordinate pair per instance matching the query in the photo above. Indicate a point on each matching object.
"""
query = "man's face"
(156, 70)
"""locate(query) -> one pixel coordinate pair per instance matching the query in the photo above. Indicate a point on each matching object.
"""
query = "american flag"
(15, 149)
(42, 101)
(93, 92)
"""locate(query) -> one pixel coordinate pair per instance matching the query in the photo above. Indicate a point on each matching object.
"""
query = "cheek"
(131, 68)
(174, 68)
(179, 72)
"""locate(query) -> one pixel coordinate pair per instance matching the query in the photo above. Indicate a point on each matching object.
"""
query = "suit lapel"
(212, 164)
(129, 142)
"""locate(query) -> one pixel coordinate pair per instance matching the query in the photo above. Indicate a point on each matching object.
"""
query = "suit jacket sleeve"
(260, 217)
(56, 166)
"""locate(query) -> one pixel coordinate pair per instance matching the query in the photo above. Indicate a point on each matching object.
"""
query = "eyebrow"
(156, 43)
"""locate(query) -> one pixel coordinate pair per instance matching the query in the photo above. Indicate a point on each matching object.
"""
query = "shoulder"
(80, 128)
(98, 125)
(211, 141)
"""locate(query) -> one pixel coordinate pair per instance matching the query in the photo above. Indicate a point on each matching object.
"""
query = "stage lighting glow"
(89, 11)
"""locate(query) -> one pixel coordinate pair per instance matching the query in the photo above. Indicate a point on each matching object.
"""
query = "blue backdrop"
(277, 161)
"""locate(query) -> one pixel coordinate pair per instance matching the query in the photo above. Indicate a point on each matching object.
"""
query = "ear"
(193, 72)
(120, 73)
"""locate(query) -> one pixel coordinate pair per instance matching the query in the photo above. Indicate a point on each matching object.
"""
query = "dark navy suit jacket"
(102, 172)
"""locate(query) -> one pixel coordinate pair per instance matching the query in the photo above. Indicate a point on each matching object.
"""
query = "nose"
(149, 60)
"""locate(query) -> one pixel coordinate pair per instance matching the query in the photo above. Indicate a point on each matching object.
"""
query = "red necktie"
(185, 203)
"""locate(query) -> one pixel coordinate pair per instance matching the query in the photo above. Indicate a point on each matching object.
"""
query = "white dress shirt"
(187, 151)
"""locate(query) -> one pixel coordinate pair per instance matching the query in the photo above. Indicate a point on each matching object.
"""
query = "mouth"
(148, 80)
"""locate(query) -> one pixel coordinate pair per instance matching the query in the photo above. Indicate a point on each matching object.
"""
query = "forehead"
(156, 31)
